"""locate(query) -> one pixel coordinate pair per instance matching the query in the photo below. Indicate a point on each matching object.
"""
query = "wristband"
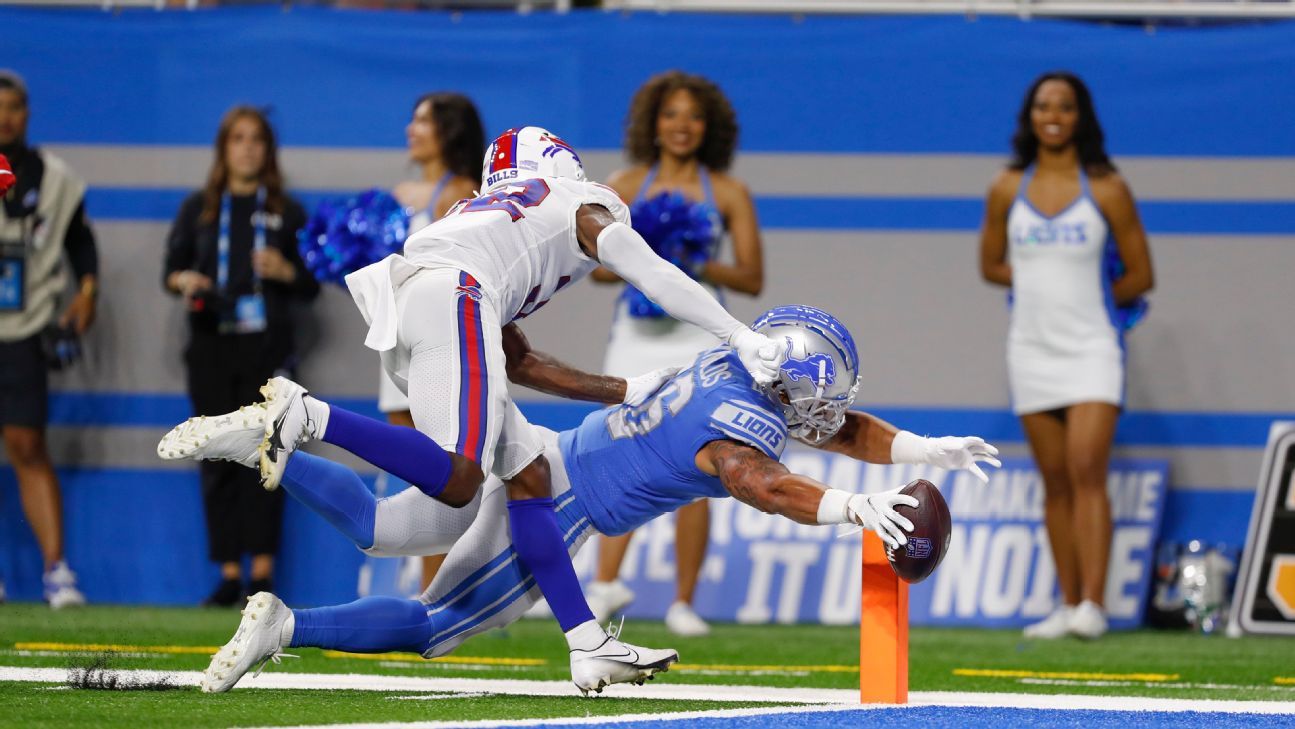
(832, 509)
(908, 448)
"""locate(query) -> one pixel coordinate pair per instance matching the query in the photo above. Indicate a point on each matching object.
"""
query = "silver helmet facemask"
(819, 378)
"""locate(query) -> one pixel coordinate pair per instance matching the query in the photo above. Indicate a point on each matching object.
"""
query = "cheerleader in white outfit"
(1062, 231)
(681, 136)
(446, 140)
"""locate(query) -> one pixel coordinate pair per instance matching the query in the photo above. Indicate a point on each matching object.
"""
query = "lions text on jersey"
(630, 464)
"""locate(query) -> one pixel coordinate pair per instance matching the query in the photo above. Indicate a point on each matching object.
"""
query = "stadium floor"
(797, 675)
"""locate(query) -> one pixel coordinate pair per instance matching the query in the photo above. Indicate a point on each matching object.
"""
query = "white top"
(1062, 302)
(519, 242)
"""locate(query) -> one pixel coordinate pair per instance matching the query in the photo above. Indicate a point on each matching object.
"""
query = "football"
(929, 540)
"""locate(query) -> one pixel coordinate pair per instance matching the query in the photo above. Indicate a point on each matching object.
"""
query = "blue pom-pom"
(344, 235)
(1131, 314)
(680, 231)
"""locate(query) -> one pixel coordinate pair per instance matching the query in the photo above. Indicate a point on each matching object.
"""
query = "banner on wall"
(763, 568)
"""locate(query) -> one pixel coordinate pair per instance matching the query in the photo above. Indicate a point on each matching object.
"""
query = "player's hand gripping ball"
(929, 540)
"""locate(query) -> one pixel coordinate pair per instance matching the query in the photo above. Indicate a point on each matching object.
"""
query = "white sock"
(285, 633)
(586, 636)
(317, 411)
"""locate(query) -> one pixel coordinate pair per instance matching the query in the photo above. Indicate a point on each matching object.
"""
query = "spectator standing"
(1062, 231)
(680, 136)
(42, 220)
(232, 255)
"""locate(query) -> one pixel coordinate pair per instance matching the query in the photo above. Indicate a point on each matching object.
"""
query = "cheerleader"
(681, 135)
(446, 141)
(1062, 231)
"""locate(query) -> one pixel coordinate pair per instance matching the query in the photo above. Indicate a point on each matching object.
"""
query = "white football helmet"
(819, 378)
(520, 154)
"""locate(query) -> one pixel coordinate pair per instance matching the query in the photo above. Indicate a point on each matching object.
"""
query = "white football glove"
(637, 389)
(961, 452)
(760, 355)
(951, 452)
(877, 512)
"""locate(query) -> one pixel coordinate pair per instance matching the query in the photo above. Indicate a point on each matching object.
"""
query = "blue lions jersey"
(630, 464)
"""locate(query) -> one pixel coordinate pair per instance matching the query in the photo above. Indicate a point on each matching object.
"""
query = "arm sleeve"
(181, 247)
(626, 253)
(79, 244)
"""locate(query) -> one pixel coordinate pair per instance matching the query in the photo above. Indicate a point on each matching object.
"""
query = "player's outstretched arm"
(626, 254)
(758, 480)
(543, 372)
(869, 438)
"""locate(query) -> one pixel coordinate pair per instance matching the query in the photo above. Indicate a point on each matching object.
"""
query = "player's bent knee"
(532, 482)
(465, 480)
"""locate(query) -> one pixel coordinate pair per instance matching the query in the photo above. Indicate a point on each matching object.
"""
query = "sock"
(402, 452)
(586, 636)
(368, 625)
(540, 549)
(285, 632)
(334, 492)
(317, 416)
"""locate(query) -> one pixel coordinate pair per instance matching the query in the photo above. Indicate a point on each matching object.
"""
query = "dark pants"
(225, 373)
(24, 383)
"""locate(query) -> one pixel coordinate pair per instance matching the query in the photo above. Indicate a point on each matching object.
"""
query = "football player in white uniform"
(709, 432)
(438, 314)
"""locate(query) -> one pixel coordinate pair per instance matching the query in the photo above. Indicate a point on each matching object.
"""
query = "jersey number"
(530, 305)
(512, 199)
(628, 421)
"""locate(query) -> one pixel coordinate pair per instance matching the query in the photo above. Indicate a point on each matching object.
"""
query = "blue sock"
(368, 625)
(334, 492)
(402, 452)
(540, 548)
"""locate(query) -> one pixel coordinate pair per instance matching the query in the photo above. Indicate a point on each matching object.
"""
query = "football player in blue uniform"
(710, 431)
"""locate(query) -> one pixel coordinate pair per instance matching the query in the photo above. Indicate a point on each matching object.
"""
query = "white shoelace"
(277, 656)
(615, 633)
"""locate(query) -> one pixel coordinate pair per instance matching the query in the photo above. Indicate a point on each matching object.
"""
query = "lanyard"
(222, 243)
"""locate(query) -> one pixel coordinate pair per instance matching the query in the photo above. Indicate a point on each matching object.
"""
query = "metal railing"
(1112, 9)
(521, 6)
(1166, 9)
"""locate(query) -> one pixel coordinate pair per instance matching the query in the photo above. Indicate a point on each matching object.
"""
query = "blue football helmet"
(818, 381)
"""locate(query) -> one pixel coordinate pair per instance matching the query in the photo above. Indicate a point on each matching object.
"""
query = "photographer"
(43, 217)
(232, 255)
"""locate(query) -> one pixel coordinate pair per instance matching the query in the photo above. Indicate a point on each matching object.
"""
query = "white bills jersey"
(518, 241)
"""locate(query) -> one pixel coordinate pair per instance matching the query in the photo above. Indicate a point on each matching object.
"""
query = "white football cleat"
(1088, 621)
(60, 587)
(233, 437)
(287, 426)
(259, 639)
(683, 621)
(617, 662)
(607, 598)
(1056, 625)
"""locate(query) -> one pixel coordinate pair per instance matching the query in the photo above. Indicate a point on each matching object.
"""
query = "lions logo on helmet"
(820, 375)
(520, 154)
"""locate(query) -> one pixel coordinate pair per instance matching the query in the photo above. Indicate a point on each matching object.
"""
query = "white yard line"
(828, 699)
(370, 682)
(592, 720)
